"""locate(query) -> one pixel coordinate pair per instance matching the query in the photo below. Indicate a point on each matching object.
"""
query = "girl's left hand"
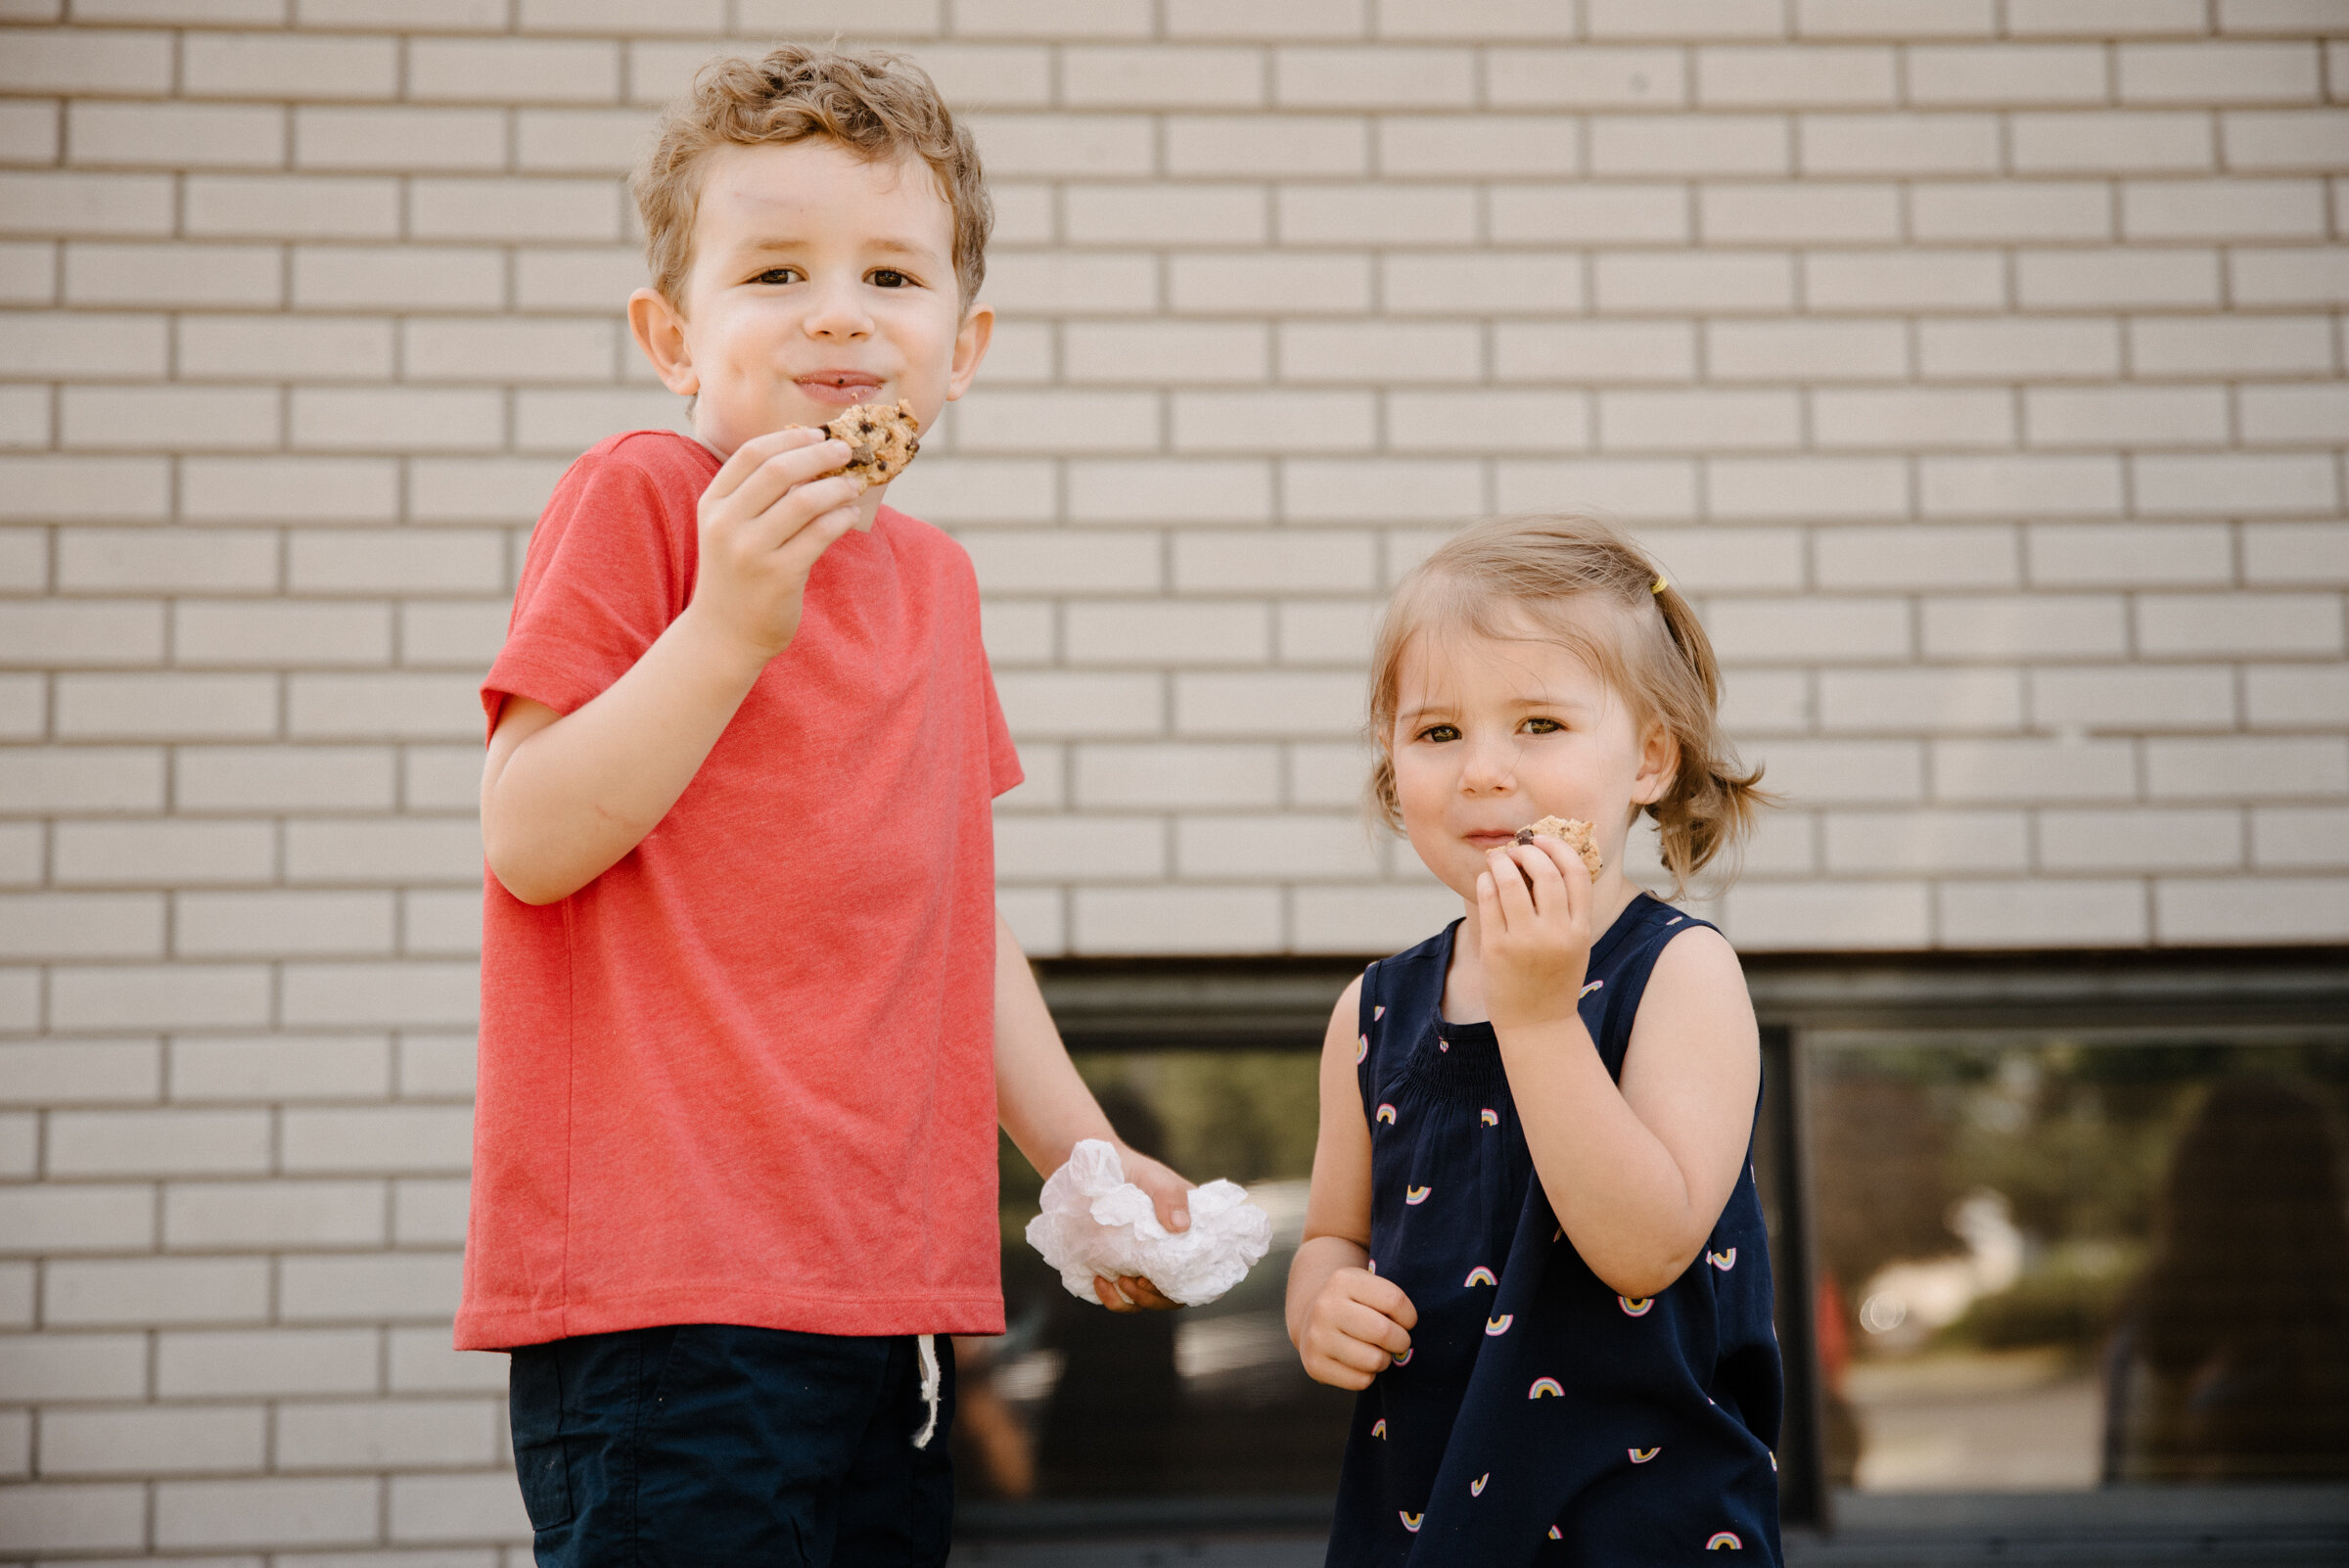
(1533, 906)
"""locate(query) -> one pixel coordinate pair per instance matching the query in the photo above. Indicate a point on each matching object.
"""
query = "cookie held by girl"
(1574, 833)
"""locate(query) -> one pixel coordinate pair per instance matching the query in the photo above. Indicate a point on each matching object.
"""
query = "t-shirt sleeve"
(1004, 770)
(606, 574)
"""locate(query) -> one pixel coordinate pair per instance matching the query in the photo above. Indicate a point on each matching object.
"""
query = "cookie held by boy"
(881, 440)
(1573, 831)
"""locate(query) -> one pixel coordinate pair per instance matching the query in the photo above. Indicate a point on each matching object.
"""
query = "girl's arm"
(1346, 1324)
(1048, 1110)
(1638, 1176)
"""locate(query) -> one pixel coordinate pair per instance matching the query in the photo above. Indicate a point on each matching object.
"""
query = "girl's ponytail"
(1712, 804)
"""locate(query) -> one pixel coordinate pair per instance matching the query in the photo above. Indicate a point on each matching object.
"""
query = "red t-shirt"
(746, 1076)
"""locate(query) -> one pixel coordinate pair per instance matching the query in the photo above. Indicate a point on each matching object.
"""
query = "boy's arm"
(565, 796)
(1048, 1110)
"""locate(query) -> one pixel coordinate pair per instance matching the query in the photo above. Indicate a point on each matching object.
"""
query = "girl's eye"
(1542, 726)
(778, 275)
(890, 278)
(1440, 732)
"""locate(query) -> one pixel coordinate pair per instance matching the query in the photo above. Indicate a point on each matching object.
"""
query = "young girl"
(1533, 1240)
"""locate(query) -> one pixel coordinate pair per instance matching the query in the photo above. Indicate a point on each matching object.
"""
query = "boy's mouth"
(838, 387)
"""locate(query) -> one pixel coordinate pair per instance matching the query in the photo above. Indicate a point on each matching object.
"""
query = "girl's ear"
(661, 333)
(1659, 765)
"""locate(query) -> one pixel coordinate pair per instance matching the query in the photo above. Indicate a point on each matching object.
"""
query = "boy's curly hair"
(1577, 583)
(876, 105)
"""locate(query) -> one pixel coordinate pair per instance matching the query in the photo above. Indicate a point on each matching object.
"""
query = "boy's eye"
(778, 275)
(1542, 726)
(1440, 732)
(890, 278)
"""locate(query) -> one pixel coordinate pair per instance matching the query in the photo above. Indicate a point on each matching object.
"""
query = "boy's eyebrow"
(885, 244)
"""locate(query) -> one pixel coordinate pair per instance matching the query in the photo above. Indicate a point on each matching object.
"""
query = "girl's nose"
(1490, 767)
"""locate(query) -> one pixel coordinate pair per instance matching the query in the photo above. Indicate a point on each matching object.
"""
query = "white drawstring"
(925, 1346)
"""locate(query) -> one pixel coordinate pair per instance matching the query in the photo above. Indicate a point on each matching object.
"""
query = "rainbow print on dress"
(1636, 1305)
(1415, 1196)
(1476, 1488)
(1546, 1385)
(1642, 1456)
(1495, 1327)
(1489, 1116)
(1724, 1541)
(1480, 1275)
(1386, 1114)
(1410, 1521)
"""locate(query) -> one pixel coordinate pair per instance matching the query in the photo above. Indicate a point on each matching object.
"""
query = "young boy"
(749, 1015)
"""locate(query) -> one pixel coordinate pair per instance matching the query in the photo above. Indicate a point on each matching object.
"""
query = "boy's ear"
(1659, 765)
(971, 339)
(661, 333)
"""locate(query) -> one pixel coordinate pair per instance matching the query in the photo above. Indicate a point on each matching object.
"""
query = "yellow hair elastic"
(1660, 587)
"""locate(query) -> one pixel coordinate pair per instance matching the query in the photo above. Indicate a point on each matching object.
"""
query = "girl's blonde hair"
(1507, 577)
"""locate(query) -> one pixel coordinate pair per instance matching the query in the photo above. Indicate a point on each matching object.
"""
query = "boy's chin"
(868, 507)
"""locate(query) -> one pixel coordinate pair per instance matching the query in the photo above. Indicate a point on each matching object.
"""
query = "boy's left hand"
(1532, 904)
(1169, 1195)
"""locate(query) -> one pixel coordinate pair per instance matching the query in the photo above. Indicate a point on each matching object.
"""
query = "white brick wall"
(1978, 364)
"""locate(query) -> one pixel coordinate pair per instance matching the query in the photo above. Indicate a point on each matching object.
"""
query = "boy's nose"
(837, 313)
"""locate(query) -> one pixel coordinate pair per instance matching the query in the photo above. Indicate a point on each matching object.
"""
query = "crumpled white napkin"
(1095, 1222)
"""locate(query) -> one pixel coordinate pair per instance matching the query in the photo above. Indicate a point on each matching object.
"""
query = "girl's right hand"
(775, 506)
(1355, 1328)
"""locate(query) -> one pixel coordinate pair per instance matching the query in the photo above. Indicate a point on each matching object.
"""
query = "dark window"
(1081, 1403)
(2049, 1260)
(2061, 1245)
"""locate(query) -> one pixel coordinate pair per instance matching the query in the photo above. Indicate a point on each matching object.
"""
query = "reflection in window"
(2050, 1263)
(1079, 1403)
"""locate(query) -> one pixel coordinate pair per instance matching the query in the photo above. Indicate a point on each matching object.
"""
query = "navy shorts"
(711, 1444)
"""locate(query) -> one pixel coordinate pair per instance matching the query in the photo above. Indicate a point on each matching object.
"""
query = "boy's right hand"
(1355, 1328)
(775, 506)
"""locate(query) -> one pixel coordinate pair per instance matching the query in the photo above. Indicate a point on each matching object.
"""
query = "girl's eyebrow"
(1548, 700)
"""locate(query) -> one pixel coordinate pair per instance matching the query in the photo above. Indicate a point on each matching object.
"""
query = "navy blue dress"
(1539, 1417)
